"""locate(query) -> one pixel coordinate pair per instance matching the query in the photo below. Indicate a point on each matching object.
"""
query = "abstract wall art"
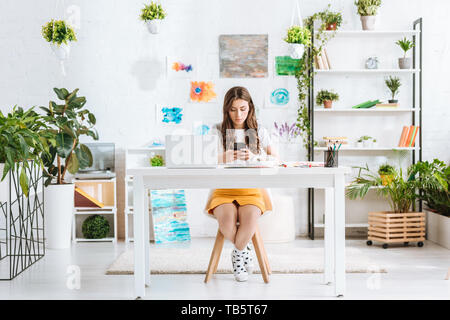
(278, 94)
(181, 67)
(243, 55)
(286, 66)
(202, 91)
(279, 97)
(166, 114)
(169, 216)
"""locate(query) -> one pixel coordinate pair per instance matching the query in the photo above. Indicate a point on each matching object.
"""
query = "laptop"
(103, 162)
(191, 151)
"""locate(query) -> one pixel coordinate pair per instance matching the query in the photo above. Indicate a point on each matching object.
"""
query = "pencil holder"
(330, 159)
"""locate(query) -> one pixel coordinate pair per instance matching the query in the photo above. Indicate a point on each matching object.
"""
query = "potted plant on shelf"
(367, 9)
(326, 98)
(152, 14)
(374, 143)
(298, 38)
(359, 143)
(22, 145)
(405, 45)
(67, 122)
(367, 141)
(400, 225)
(386, 173)
(60, 35)
(332, 20)
(434, 186)
(393, 84)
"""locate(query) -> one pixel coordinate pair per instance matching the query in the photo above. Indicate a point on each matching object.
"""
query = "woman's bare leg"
(226, 215)
(248, 218)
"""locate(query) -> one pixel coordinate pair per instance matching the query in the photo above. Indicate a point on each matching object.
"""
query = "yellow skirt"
(241, 196)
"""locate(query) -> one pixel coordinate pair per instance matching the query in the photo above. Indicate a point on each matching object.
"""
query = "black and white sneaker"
(239, 270)
(248, 258)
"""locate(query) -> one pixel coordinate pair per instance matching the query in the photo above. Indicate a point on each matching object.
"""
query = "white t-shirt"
(263, 135)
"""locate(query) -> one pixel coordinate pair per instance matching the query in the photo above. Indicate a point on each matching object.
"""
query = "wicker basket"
(390, 227)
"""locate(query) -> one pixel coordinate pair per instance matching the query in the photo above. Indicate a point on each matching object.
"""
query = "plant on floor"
(434, 182)
(324, 95)
(22, 140)
(95, 227)
(368, 7)
(152, 11)
(67, 122)
(400, 191)
(405, 45)
(393, 84)
(58, 32)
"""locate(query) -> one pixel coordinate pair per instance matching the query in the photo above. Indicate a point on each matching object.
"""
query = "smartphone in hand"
(239, 146)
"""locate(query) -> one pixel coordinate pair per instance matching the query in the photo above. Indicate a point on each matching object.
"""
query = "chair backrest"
(267, 196)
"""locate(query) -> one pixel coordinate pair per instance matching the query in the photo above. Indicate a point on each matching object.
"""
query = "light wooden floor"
(413, 273)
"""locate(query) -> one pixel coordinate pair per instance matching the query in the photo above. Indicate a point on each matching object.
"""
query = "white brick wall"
(120, 67)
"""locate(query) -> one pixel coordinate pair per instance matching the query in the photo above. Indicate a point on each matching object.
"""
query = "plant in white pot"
(67, 122)
(298, 38)
(60, 35)
(152, 14)
(434, 185)
(405, 45)
(367, 9)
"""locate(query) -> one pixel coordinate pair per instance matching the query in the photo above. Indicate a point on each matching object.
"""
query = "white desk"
(330, 179)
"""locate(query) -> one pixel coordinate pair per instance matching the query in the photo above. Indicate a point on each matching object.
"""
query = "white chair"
(258, 243)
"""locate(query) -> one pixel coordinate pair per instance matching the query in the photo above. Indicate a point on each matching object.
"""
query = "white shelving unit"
(109, 211)
(141, 157)
(414, 110)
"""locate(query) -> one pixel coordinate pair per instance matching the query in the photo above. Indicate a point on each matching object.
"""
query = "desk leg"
(339, 234)
(329, 237)
(139, 245)
(146, 239)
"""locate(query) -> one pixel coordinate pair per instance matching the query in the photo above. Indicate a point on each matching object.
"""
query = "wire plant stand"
(21, 222)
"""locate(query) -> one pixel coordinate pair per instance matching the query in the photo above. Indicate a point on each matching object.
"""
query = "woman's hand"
(229, 156)
(244, 154)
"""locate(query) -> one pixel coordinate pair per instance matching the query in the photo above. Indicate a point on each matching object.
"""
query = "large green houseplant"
(22, 142)
(67, 122)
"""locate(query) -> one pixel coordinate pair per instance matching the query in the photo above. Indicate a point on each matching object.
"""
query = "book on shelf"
(83, 199)
(324, 60)
(387, 105)
(320, 63)
(408, 136)
(366, 105)
(326, 57)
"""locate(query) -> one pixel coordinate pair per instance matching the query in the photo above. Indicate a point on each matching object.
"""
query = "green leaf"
(72, 96)
(60, 93)
(6, 169)
(78, 102)
(84, 156)
(23, 179)
(73, 164)
(92, 118)
(64, 143)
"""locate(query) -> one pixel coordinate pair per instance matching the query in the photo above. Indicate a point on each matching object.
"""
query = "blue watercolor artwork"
(172, 115)
(279, 97)
(169, 216)
(202, 129)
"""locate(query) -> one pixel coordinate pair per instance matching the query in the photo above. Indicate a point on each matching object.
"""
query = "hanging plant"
(152, 14)
(305, 73)
(59, 34)
(298, 38)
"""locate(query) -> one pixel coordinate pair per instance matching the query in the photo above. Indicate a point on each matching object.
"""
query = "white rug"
(283, 258)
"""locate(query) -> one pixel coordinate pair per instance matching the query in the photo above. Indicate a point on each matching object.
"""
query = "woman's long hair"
(251, 136)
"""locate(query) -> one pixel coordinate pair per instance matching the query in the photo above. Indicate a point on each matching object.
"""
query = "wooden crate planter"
(390, 227)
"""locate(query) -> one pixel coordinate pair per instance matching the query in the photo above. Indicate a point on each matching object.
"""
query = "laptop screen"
(102, 157)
